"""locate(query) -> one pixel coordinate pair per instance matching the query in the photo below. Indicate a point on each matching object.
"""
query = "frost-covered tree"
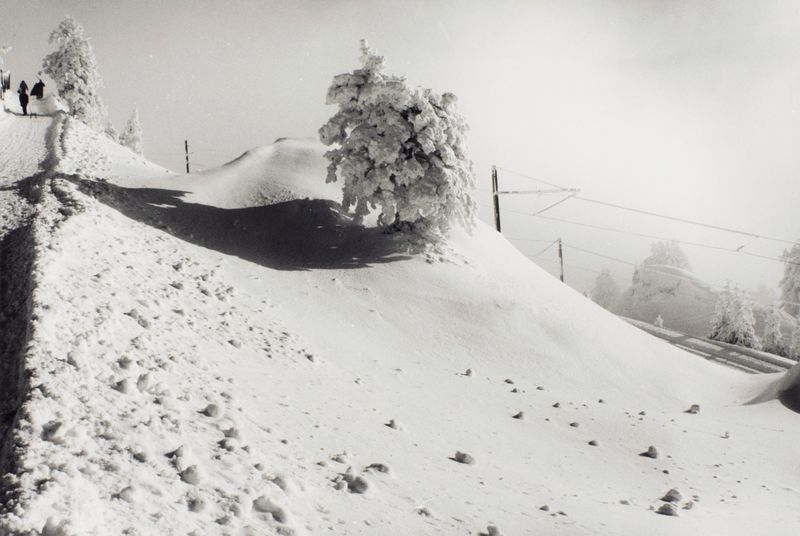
(772, 338)
(733, 320)
(400, 150)
(790, 283)
(668, 253)
(605, 292)
(131, 137)
(73, 68)
(659, 322)
(794, 345)
(723, 316)
(4, 49)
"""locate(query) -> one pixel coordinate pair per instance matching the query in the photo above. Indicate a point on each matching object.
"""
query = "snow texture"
(137, 414)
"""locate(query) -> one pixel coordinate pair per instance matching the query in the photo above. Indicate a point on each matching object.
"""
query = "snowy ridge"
(205, 369)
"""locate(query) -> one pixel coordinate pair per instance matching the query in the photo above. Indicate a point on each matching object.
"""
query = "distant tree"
(4, 49)
(790, 283)
(131, 137)
(668, 253)
(605, 292)
(111, 131)
(733, 320)
(401, 150)
(73, 68)
(723, 316)
(772, 339)
(659, 322)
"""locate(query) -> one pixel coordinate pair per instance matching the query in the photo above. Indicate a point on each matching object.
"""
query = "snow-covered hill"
(226, 353)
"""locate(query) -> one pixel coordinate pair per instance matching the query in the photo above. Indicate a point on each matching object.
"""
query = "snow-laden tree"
(790, 283)
(667, 253)
(131, 137)
(4, 49)
(772, 338)
(605, 292)
(794, 345)
(659, 322)
(73, 68)
(733, 320)
(400, 150)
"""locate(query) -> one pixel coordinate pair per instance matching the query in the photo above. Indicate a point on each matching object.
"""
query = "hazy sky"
(688, 108)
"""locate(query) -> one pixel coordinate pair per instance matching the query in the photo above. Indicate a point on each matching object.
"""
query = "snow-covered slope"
(225, 353)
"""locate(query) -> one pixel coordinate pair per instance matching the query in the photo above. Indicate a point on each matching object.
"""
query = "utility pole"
(186, 147)
(496, 195)
(561, 259)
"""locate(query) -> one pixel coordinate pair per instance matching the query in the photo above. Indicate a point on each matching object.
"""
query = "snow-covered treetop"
(4, 49)
(668, 253)
(131, 137)
(73, 68)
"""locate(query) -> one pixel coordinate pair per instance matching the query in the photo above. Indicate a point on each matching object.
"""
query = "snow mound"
(287, 170)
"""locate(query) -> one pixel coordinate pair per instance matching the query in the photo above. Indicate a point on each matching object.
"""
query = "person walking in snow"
(23, 97)
(38, 90)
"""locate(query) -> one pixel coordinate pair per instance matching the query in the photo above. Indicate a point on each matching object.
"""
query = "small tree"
(401, 150)
(733, 321)
(772, 339)
(605, 292)
(723, 316)
(790, 282)
(131, 137)
(73, 68)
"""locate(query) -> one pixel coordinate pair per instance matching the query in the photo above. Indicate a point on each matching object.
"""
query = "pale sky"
(688, 108)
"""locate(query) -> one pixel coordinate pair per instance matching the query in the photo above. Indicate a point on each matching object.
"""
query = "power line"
(532, 178)
(696, 244)
(684, 220)
(600, 255)
(551, 244)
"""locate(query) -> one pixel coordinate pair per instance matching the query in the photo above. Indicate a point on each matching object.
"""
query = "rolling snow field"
(226, 353)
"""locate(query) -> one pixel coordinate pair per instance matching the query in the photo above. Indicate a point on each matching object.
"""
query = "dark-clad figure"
(38, 90)
(23, 97)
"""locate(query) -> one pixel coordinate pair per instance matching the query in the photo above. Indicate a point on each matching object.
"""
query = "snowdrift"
(225, 352)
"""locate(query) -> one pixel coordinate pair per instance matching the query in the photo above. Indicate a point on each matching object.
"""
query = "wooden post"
(186, 147)
(496, 195)
(561, 259)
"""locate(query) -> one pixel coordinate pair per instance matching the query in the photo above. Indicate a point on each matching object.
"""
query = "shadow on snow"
(294, 235)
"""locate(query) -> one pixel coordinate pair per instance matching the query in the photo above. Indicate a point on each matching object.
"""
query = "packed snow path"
(23, 149)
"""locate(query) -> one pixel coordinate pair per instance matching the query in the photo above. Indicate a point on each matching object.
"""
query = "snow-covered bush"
(73, 68)
(400, 150)
(605, 292)
(733, 320)
(790, 283)
(131, 137)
